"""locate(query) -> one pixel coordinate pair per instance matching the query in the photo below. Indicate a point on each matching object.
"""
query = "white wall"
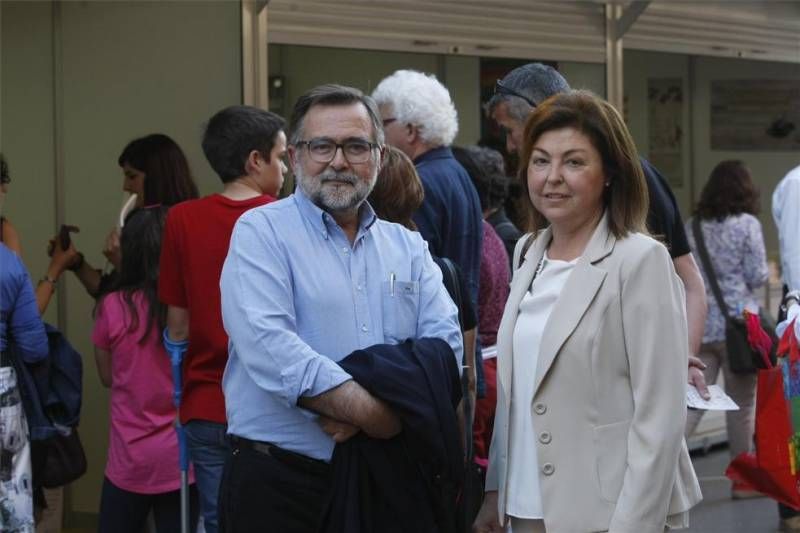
(767, 167)
(366, 68)
(697, 74)
(128, 69)
(26, 126)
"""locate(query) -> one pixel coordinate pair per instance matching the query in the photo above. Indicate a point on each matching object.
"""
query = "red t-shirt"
(193, 250)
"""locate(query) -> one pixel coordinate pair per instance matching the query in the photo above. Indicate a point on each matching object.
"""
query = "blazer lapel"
(578, 293)
(519, 286)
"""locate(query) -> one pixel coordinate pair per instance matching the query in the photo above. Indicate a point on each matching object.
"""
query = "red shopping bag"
(772, 469)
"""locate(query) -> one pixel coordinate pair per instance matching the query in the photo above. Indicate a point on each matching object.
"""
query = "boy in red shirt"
(245, 146)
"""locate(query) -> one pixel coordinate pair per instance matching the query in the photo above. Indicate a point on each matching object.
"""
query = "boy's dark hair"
(167, 178)
(487, 170)
(233, 133)
(140, 244)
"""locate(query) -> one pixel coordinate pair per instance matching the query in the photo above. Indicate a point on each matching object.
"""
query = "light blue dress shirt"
(297, 298)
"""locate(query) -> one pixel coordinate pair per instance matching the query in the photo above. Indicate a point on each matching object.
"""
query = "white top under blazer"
(524, 493)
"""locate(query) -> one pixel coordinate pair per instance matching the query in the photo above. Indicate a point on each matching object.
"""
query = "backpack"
(51, 396)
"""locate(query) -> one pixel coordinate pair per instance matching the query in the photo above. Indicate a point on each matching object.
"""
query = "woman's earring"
(608, 184)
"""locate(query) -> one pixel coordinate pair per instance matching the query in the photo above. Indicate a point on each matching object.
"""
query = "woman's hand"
(487, 520)
(112, 250)
(61, 259)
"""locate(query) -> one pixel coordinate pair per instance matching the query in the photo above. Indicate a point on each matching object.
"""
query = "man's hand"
(353, 404)
(339, 431)
(697, 378)
(487, 521)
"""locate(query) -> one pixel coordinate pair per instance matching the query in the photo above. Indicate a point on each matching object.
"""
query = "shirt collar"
(442, 152)
(322, 221)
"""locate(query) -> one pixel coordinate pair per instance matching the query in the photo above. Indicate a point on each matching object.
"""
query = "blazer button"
(545, 437)
(548, 469)
(540, 408)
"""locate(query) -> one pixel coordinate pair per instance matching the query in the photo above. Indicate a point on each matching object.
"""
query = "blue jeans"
(208, 448)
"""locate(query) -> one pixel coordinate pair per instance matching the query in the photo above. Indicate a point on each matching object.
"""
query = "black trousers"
(276, 491)
(122, 511)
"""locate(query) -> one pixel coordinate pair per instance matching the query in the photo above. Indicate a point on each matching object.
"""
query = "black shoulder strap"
(452, 274)
(525, 248)
(705, 260)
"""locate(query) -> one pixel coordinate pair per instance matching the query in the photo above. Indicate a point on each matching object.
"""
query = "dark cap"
(533, 82)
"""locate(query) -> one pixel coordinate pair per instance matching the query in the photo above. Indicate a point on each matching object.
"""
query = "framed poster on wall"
(755, 115)
(665, 127)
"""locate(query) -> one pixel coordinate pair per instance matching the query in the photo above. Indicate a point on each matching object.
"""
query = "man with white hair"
(420, 119)
(308, 280)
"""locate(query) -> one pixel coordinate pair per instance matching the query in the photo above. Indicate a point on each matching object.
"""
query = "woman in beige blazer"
(592, 351)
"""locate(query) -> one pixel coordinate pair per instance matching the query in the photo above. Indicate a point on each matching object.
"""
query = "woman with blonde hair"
(592, 351)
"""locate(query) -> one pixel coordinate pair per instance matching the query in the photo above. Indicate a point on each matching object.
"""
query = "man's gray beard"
(330, 197)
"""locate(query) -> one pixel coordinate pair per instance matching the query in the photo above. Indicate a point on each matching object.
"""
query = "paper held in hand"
(127, 207)
(719, 400)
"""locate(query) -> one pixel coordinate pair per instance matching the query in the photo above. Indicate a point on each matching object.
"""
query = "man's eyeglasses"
(499, 88)
(356, 151)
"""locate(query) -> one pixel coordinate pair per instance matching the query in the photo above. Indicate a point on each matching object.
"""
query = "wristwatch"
(48, 279)
(791, 296)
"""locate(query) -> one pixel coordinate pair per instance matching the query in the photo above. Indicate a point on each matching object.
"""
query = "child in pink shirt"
(142, 472)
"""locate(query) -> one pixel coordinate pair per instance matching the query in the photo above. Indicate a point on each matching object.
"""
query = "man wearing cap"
(515, 97)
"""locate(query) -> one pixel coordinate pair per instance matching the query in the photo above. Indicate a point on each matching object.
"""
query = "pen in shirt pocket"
(392, 279)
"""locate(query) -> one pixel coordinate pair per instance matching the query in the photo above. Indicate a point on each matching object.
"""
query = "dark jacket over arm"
(408, 483)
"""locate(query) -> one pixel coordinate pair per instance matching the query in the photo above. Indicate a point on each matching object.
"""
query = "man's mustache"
(338, 176)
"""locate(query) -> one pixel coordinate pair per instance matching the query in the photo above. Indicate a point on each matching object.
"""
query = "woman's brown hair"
(167, 178)
(398, 191)
(729, 191)
(626, 199)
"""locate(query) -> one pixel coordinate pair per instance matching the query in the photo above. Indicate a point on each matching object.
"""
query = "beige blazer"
(609, 401)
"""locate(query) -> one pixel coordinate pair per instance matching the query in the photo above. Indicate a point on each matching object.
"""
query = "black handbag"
(58, 460)
(742, 358)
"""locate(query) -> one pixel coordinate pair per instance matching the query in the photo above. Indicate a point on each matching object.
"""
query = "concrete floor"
(718, 513)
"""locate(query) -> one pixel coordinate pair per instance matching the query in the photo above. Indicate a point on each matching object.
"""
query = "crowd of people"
(322, 384)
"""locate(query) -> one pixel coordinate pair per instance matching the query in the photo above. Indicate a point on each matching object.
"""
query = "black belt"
(292, 459)
(5, 360)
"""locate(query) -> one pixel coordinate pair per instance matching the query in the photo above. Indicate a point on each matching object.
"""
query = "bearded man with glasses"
(308, 280)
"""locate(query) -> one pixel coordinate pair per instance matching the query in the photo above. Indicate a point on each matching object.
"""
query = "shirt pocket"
(400, 308)
(611, 457)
